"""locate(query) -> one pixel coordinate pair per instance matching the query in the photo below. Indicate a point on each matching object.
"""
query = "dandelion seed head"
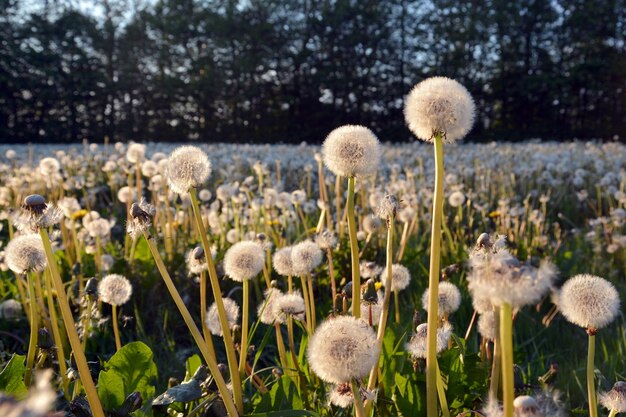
(341, 396)
(305, 257)
(99, 228)
(265, 310)
(526, 406)
(351, 150)
(49, 166)
(244, 261)
(370, 269)
(25, 253)
(212, 320)
(400, 277)
(10, 309)
(487, 325)
(589, 301)
(36, 214)
(416, 346)
(140, 218)
(439, 105)
(371, 224)
(615, 399)
(456, 199)
(343, 349)
(449, 298)
(281, 260)
(289, 305)
(187, 167)
(115, 289)
(326, 240)
(126, 194)
(387, 207)
(135, 152)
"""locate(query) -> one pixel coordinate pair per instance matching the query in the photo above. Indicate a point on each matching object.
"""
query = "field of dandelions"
(323, 269)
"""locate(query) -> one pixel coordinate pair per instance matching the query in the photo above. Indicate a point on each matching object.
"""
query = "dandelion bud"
(115, 289)
(91, 287)
(343, 349)
(615, 399)
(369, 294)
(305, 257)
(187, 167)
(351, 151)
(26, 254)
(44, 339)
(589, 301)
(212, 320)
(347, 290)
(244, 261)
(132, 403)
(439, 105)
(34, 203)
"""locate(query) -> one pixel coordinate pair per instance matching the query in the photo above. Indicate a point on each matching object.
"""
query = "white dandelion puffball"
(400, 277)
(26, 254)
(343, 349)
(187, 167)
(265, 310)
(305, 257)
(351, 151)
(416, 346)
(115, 289)
(326, 240)
(526, 406)
(439, 105)
(456, 199)
(589, 301)
(449, 298)
(212, 320)
(615, 399)
(281, 260)
(341, 396)
(244, 261)
(289, 305)
(387, 206)
(487, 325)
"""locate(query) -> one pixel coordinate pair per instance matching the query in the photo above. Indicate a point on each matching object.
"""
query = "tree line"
(292, 70)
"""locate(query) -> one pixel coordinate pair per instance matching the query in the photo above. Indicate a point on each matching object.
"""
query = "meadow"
(131, 276)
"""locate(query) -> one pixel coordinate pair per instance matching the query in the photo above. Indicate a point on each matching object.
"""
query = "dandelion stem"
(591, 389)
(354, 252)
(331, 273)
(506, 346)
(613, 412)
(86, 323)
(433, 281)
(116, 331)
(217, 294)
(359, 411)
(70, 327)
(307, 303)
(58, 341)
(396, 305)
(312, 300)
(282, 355)
(195, 333)
(243, 354)
(34, 328)
(497, 357)
(442, 394)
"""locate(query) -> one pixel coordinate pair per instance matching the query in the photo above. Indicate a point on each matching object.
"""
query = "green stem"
(354, 252)
(231, 356)
(591, 389)
(433, 282)
(243, 353)
(312, 300)
(34, 328)
(396, 306)
(442, 394)
(195, 333)
(359, 411)
(497, 357)
(506, 345)
(70, 327)
(116, 331)
(307, 304)
(58, 341)
(613, 413)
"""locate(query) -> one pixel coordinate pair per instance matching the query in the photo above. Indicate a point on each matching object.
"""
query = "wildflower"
(140, 218)
(615, 399)
(449, 299)
(456, 199)
(589, 301)
(265, 311)
(49, 166)
(187, 167)
(342, 349)
(326, 240)
(289, 305)
(370, 269)
(36, 214)
(526, 406)
(196, 261)
(305, 257)
(387, 207)
(212, 320)
(135, 152)
(244, 261)
(439, 105)
(416, 346)
(341, 395)
(400, 277)
(351, 150)
(26, 254)
(126, 194)
(10, 309)
(282, 261)
(371, 224)
(99, 228)
(115, 289)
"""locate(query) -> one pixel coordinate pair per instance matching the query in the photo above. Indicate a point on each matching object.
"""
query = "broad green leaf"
(192, 365)
(282, 396)
(132, 368)
(12, 377)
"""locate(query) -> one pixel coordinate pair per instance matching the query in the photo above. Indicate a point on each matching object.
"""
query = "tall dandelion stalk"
(438, 109)
(352, 151)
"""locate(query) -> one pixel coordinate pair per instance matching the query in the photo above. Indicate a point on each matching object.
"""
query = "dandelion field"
(277, 223)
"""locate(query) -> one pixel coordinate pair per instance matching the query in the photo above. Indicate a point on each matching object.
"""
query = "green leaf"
(408, 397)
(130, 369)
(12, 377)
(192, 365)
(282, 396)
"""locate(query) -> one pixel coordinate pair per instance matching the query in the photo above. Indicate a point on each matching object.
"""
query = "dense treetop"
(292, 70)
